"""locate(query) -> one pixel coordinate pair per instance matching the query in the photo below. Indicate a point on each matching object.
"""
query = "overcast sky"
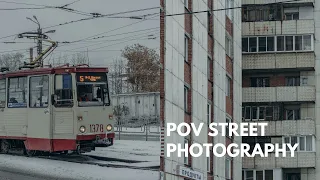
(102, 51)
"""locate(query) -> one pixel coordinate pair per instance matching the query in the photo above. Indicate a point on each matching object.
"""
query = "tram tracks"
(93, 160)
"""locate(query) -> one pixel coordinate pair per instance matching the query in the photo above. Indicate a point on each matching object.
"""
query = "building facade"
(280, 84)
(200, 55)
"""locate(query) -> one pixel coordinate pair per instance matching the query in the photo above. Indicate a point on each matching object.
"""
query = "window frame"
(228, 86)
(186, 159)
(5, 93)
(30, 91)
(26, 91)
(186, 48)
(228, 166)
(298, 142)
(305, 38)
(72, 90)
(186, 95)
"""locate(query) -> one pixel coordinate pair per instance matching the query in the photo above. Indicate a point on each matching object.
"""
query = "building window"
(304, 81)
(254, 113)
(306, 143)
(292, 16)
(283, 43)
(39, 91)
(228, 86)
(185, 160)
(229, 45)
(260, 82)
(289, 43)
(2, 92)
(228, 169)
(259, 174)
(261, 13)
(208, 163)
(298, 43)
(293, 113)
(280, 43)
(307, 46)
(186, 92)
(292, 81)
(245, 44)
(208, 67)
(186, 47)
(252, 44)
(270, 43)
(262, 44)
(17, 92)
(208, 114)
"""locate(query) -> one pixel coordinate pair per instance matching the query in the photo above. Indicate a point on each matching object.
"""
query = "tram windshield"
(92, 89)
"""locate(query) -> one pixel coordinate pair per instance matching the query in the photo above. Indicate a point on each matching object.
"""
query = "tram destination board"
(91, 77)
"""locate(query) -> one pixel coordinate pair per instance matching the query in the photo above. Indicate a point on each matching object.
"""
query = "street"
(11, 174)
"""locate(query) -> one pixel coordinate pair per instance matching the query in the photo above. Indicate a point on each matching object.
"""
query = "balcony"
(278, 27)
(300, 160)
(278, 61)
(289, 127)
(276, 1)
(279, 94)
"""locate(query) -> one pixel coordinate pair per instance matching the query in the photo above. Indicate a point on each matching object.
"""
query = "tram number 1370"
(96, 127)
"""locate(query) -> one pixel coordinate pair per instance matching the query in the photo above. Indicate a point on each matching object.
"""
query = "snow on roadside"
(132, 150)
(61, 169)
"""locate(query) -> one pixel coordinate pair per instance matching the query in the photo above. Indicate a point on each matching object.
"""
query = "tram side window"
(39, 91)
(3, 93)
(17, 92)
(63, 95)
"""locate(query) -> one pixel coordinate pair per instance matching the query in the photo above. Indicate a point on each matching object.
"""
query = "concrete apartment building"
(280, 65)
(200, 55)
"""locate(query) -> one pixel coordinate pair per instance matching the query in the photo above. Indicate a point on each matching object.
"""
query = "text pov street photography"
(159, 89)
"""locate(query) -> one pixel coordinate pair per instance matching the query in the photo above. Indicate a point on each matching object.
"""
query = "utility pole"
(40, 37)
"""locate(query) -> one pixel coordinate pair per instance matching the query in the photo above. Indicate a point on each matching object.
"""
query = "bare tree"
(143, 63)
(11, 60)
(117, 76)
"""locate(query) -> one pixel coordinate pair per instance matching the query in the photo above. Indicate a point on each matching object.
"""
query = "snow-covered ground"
(128, 150)
(148, 151)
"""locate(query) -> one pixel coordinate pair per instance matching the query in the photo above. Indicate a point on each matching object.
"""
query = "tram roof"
(55, 70)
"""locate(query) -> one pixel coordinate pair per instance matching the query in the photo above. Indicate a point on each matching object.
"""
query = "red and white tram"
(54, 109)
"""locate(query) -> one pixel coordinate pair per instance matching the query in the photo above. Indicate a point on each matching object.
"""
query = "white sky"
(14, 22)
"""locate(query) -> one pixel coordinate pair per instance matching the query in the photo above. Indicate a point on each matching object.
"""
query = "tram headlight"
(109, 127)
(82, 129)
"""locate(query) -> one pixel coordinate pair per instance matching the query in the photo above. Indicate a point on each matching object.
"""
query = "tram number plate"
(96, 127)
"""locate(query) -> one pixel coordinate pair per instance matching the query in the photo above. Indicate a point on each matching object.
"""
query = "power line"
(223, 9)
(84, 19)
(101, 16)
(107, 31)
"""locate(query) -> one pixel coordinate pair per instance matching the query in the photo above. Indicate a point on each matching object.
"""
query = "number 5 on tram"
(55, 109)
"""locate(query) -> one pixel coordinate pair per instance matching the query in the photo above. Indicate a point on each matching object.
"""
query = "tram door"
(2, 106)
(38, 113)
(62, 109)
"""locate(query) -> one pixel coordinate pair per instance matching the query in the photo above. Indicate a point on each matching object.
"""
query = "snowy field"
(127, 150)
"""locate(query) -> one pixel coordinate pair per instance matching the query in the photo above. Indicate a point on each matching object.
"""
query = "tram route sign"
(91, 77)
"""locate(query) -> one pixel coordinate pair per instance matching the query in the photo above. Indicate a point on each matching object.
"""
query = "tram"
(54, 109)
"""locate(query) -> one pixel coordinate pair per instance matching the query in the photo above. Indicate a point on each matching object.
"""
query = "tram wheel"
(4, 147)
(30, 152)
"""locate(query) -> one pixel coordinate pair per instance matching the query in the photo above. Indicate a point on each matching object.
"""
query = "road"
(11, 174)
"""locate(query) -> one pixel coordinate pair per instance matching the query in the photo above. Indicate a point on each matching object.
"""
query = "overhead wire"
(85, 19)
(223, 9)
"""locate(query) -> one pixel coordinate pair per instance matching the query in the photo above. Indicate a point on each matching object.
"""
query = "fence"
(137, 116)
